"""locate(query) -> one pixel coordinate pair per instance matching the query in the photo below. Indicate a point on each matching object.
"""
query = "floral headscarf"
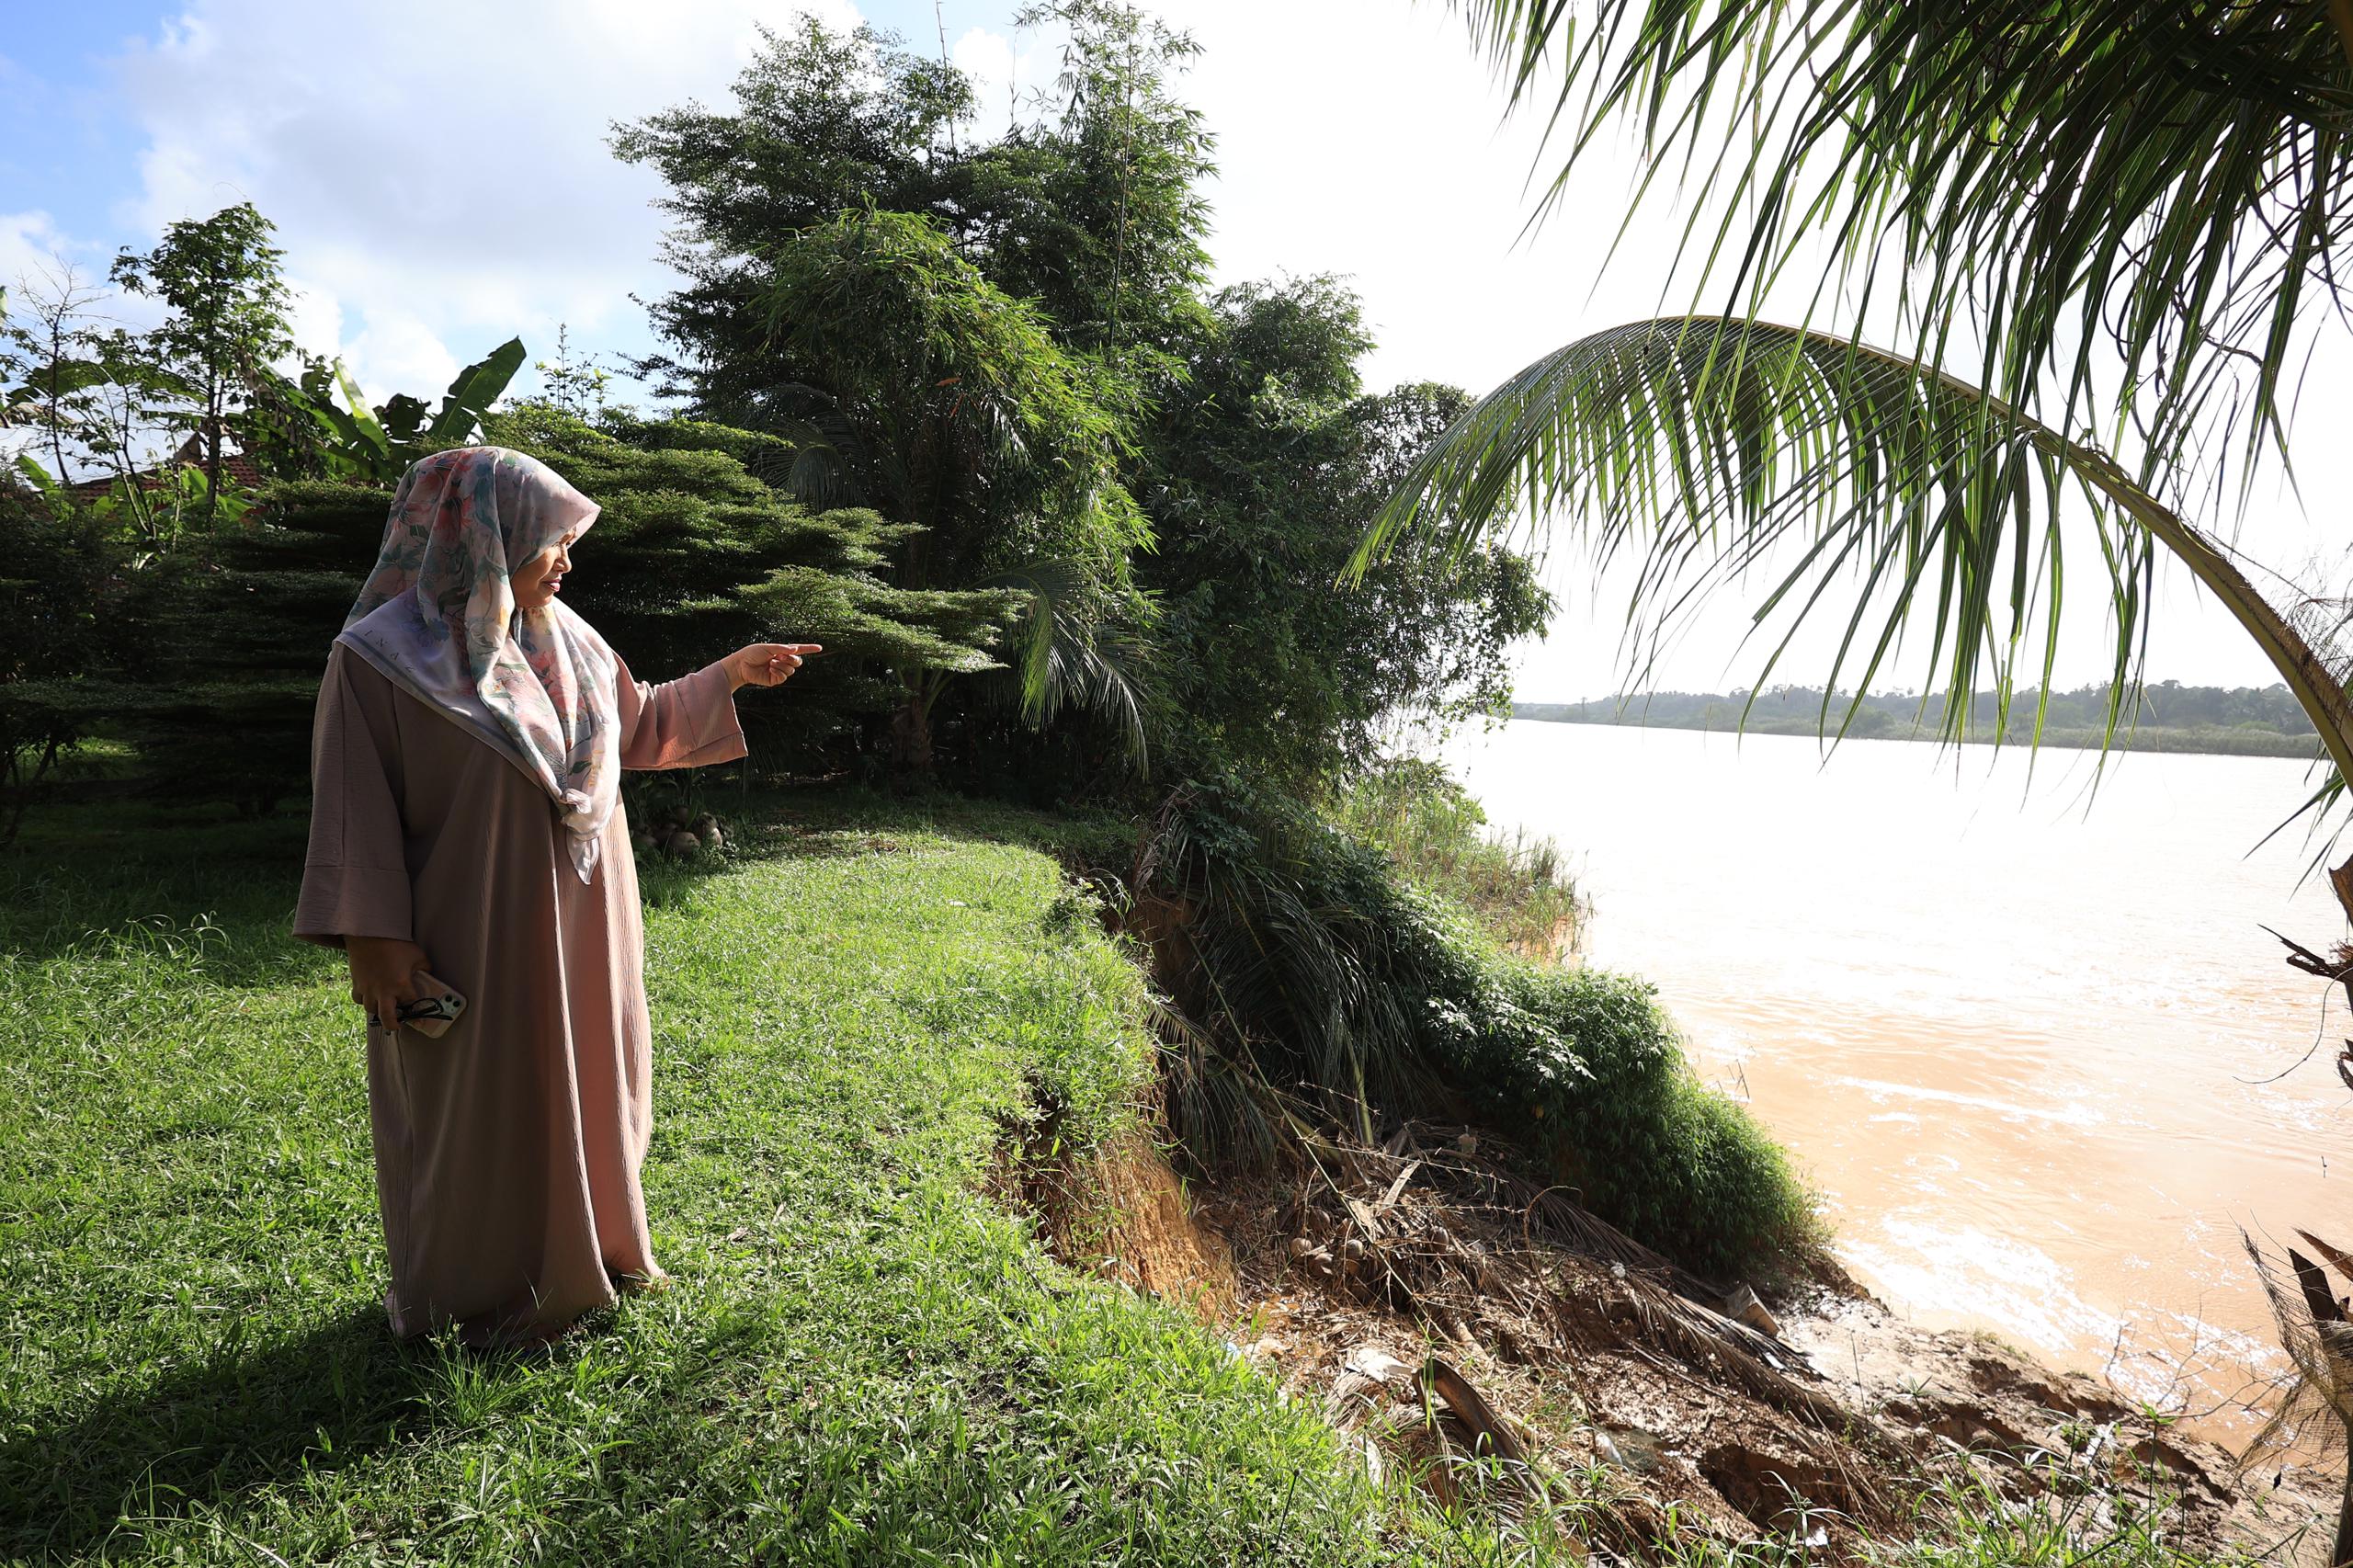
(438, 618)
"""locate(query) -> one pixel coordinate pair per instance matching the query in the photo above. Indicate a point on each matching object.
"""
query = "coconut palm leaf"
(2151, 192)
(1702, 444)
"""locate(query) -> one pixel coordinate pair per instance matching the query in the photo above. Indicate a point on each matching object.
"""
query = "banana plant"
(379, 443)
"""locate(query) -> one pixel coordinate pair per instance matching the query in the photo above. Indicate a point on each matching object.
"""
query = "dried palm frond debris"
(1515, 1287)
(1434, 1223)
(2315, 1414)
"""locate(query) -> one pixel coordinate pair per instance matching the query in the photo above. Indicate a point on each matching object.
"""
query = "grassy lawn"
(863, 1360)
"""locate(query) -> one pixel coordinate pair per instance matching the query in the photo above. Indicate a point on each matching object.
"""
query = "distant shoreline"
(2206, 739)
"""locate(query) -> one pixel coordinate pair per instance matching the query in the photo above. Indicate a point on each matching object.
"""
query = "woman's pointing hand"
(766, 664)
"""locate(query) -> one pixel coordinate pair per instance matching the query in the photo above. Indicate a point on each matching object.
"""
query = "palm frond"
(830, 466)
(1070, 659)
(1702, 444)
(2167, 182)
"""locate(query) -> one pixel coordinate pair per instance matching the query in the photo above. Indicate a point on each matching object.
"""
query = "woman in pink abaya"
(466, 824)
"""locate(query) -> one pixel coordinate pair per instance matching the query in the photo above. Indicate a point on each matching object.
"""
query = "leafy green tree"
(45, 350)
(1093, 211)
(956, 408)
(691, 554)
(1266, 462)
(98, 395)
(822, 122)
(814, 220)
(227, 328)
(1088, 214)
(93, 395)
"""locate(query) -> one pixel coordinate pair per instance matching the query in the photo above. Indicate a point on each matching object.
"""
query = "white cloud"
(437, 172)
(401, 353)
(1004, 76)
(29, 245)
(34, 250)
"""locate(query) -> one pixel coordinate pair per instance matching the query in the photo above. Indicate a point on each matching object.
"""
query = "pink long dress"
(508, 1151)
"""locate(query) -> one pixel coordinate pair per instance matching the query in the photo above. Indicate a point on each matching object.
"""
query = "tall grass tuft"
(1519, 888)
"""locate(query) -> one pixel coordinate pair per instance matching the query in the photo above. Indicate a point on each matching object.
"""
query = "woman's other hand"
(383, 975)
(766, 664)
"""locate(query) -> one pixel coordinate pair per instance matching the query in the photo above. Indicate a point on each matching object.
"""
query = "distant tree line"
(2164, 716)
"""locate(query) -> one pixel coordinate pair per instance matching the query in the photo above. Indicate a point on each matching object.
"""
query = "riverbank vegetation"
(858, 1005)
(1519, 888)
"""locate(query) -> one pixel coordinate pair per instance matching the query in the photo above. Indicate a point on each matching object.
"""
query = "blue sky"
(65, 144)
(66, 147)
(438, 176)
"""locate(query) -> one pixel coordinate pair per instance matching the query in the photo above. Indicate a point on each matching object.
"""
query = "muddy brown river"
(2029, 1043)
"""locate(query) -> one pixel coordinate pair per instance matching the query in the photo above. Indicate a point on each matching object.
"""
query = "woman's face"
(535, 582)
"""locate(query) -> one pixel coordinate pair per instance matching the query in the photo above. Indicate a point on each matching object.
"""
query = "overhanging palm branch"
(2153, 192)
(1702, 445)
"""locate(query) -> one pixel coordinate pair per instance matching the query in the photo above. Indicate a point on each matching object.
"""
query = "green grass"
(863, 1360)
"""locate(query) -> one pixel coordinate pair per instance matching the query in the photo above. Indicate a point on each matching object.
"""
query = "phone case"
(432, 1014)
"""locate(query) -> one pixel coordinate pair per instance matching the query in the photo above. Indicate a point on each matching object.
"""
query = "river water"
(2020, 1046)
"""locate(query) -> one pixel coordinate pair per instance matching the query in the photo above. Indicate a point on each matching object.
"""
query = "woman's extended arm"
(691, 722)
(768, 663)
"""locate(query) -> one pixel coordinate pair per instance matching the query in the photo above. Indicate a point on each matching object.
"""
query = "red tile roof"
(235, 468)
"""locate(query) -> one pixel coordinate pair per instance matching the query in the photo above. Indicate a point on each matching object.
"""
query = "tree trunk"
(911, 734)
(212, 457)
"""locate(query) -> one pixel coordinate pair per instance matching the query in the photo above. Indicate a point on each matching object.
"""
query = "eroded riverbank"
(2041, 1059)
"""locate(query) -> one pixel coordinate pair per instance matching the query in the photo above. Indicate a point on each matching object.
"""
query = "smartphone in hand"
(432, 1013)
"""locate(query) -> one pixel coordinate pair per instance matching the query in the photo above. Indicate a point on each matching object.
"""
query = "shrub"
(1649, 1146)
(58, 611)
(1306, 964)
